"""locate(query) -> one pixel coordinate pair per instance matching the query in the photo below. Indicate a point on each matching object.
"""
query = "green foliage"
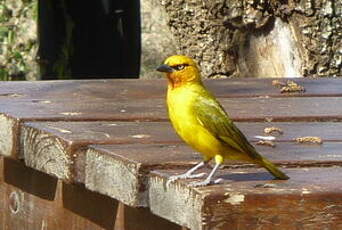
(18, 40)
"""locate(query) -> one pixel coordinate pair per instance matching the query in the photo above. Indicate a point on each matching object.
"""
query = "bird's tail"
(273, 169)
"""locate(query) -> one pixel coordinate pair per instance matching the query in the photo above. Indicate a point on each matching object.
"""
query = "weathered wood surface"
(249, 199)
(100, 101)
(2, 196)
(121, 171)
(59, 149)
(156, 88)
(71, 138)
(33, 200)
(109, 138)
(241, 109)
(278, 109)
(142, 218)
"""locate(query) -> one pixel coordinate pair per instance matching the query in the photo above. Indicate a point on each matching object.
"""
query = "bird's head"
(180, 70)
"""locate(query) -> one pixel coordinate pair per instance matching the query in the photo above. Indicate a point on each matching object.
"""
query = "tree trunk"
(259, 38)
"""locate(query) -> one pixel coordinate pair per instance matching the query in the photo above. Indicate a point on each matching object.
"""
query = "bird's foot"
(184, 176)
(205, 182)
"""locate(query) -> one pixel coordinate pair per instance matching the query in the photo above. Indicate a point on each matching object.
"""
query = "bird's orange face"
(179, 70)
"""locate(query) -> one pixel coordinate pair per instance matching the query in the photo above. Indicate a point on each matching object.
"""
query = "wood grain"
(59, 149)
(249, 199)
(121, 171)
(33, 200)
(2, 194)
(71, 138)
(240, 109)
(107, 89)
(108, 135)
(162, 132)
(247, 109)
(142, 218)
(127, 100)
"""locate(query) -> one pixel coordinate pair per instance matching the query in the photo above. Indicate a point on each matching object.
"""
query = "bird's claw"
(184, 176)
(198, 175)
(205, 182)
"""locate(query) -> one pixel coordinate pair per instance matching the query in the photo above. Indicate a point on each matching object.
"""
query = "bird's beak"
(165, 68)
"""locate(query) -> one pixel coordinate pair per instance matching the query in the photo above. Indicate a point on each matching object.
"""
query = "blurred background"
(115, 39)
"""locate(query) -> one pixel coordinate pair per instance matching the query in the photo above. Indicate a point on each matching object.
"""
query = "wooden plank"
(162, 132)
(102, 211)
(2, 194)
(142, 218)
(86, 209)
(120, 171)
(241, 109)
(246, 109)
(112, 100)
(34, 200)
(253, 87)
(88, 89)
(44, 109)
(128, 88)
(57, 148)
(311, 200)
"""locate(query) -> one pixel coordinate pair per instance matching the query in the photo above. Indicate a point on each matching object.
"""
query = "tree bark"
(259, 38)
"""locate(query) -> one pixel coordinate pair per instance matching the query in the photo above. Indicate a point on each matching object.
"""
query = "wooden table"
(97, 154)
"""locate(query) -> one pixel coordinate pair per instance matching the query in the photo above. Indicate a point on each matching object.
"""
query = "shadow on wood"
(95, 207)
(29, 180)
(142, 218)
(255, 176)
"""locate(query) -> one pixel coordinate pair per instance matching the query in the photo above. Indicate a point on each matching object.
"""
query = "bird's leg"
(208, 180)
(189, 174)
(218, 161)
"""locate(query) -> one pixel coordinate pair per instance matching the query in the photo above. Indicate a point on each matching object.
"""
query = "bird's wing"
(213, 117)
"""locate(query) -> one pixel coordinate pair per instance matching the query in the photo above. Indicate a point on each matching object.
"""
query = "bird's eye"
(179, 67)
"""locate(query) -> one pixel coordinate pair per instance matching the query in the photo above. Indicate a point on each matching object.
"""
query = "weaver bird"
(200, 120)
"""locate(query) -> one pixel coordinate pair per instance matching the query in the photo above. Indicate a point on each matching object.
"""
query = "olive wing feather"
(214, 118)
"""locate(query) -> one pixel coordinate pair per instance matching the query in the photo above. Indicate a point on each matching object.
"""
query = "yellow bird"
(201, 121)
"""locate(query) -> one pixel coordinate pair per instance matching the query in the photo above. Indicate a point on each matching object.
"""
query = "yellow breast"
(188, 127)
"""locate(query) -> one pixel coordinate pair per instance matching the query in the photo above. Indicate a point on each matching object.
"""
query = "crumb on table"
(288, 87)
(273, 129)
(309, 139)
(267, 143)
